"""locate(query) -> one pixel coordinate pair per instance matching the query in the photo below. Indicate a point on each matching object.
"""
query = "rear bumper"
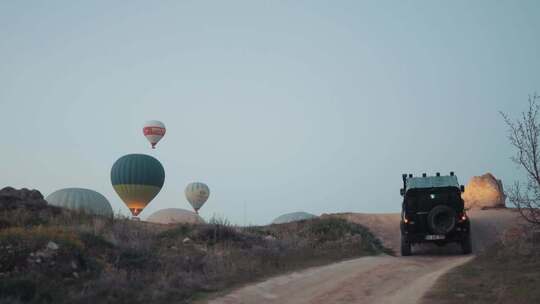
(460, 233)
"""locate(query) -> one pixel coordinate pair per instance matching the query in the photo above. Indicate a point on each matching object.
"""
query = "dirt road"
(381, 279)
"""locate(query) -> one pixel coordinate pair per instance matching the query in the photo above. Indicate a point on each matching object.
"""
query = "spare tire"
(441, 219)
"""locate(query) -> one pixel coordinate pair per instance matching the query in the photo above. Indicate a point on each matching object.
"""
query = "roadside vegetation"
(51, 255)
(524, 137)
(508, 272)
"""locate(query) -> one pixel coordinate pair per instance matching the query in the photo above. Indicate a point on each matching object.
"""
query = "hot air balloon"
(154, 131)
(197, 194)
(137, 178)
(81, 199)
(293, 217)
(174, 216)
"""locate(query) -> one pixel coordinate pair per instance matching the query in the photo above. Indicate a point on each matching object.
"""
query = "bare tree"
(524, 135)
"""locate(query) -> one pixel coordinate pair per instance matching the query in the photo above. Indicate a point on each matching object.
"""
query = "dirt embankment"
(381, 279)
(486, 226)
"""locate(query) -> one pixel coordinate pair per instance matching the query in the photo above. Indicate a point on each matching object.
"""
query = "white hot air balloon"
(197, 194)
(174, 216)
(154, 131)
(293, 217)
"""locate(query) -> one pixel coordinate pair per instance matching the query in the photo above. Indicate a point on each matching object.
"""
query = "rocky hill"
(11, 198)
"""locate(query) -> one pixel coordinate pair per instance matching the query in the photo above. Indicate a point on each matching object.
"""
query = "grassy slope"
(102, 260)
(507, 273)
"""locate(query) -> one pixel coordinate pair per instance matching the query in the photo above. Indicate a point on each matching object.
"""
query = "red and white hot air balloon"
(154, 131)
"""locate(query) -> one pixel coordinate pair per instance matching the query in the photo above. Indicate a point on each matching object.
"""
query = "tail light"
(463, 217)
(407, 221)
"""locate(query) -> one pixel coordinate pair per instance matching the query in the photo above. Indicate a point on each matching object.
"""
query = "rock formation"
(11, 198)
(483, 192)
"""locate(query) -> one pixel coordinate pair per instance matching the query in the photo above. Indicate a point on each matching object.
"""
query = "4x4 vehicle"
(433, 211)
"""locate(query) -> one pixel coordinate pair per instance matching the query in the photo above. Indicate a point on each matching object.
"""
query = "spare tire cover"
(441, 219)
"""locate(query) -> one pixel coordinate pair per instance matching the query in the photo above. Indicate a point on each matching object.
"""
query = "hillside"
(52, 255)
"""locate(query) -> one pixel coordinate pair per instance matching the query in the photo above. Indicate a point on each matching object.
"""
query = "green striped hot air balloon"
(137, 178)
(81, 199)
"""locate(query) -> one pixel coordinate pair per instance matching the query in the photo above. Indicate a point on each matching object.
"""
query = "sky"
(279, 106)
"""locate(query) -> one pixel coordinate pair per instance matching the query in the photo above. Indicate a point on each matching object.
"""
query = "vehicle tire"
(405, 246)
(466, 245)
(441, 219)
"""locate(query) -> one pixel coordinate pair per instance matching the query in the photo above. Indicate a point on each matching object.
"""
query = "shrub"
(212, 234)
(39, 236)
(19, 289)
(132, 259)
(179, 231)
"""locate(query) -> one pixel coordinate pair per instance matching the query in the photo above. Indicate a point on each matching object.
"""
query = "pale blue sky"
(279, 105)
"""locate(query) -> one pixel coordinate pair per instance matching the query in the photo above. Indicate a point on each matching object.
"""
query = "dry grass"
(101, 260)
(508, 272)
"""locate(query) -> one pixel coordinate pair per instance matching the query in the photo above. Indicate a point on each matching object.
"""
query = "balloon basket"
(136, 218)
